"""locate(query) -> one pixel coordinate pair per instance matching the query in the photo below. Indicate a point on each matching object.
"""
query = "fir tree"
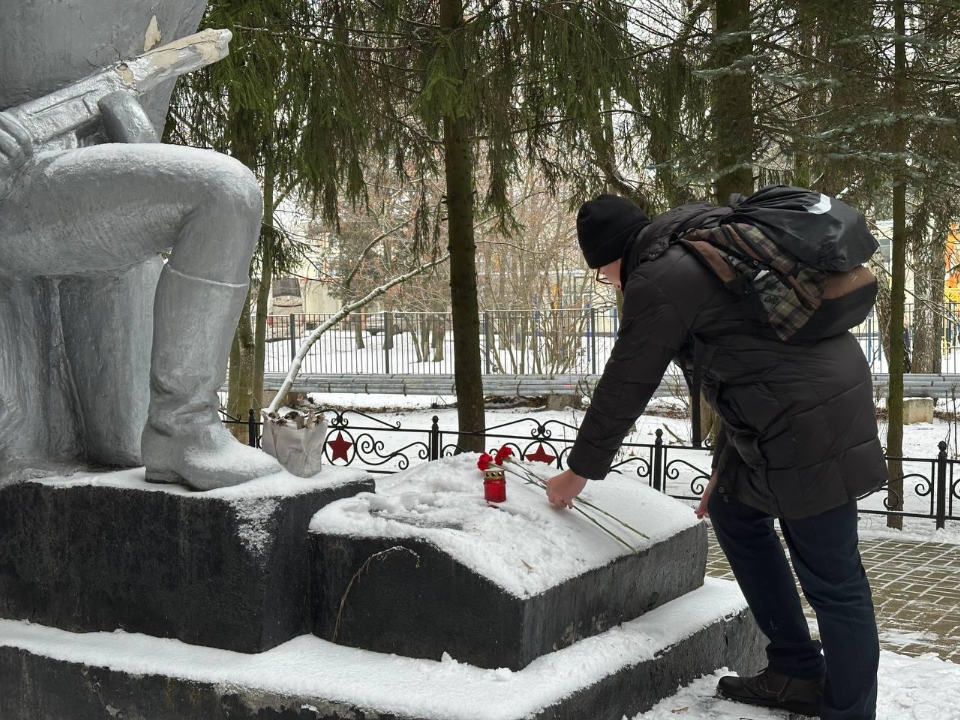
(463, 86)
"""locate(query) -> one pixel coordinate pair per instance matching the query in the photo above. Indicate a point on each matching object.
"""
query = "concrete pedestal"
(425, 567)
(414, 599)
(120, 599)
(49, 674)
(227, 568)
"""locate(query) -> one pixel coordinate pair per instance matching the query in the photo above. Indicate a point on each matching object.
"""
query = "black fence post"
(486, 342)
(593, 340)
(696, 429)
(658, 462)
(293, 336)
(942, 486)
(434, 444)
(387, 339)
(252, 434)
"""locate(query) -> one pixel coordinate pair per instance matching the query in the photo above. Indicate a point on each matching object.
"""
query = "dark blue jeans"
(825, 556)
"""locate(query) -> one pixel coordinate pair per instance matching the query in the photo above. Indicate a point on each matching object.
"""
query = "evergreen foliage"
(662, 101)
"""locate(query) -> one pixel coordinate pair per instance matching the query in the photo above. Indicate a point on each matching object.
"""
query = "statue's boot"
(194, 321)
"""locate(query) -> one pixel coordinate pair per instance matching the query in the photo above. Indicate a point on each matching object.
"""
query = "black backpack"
(818, 230)
(795, 255)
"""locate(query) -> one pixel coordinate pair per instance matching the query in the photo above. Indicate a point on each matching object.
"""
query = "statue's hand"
(124, 120)
(16, 150)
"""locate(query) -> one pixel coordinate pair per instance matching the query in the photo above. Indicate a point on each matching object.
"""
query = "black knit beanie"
(605, 226)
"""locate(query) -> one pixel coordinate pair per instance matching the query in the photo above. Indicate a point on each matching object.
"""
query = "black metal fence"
(930, 486)
(513, 342)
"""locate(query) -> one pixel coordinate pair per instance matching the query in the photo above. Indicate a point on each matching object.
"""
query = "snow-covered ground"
(921, 688)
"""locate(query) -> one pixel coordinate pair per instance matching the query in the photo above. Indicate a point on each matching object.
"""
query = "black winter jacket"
(799, 418)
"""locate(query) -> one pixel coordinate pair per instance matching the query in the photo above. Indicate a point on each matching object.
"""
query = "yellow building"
(951, 288)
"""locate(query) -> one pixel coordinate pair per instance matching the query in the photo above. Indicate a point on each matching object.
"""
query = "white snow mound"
(524, 545)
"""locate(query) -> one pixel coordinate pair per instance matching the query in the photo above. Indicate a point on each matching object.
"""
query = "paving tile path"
(916, 592)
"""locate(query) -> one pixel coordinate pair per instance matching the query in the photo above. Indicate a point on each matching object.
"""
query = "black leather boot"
(773, 690)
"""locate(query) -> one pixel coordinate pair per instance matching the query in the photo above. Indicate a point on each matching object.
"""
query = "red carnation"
(484, 462)
(503, 453)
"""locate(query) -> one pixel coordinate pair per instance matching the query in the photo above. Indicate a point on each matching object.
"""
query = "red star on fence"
(541, 455)
(339, 446)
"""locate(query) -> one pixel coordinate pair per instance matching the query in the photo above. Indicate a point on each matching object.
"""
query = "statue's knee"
(236, 191)
(223, 223)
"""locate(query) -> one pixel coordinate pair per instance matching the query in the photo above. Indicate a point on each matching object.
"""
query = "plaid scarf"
(749, 262)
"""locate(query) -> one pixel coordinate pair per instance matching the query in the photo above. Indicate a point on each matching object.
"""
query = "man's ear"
(124, 120)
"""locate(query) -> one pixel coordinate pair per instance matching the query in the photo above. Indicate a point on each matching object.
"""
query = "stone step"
(426, 567)
(225, 568)
(50, 674)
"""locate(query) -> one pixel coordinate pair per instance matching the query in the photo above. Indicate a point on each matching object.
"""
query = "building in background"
(311, 289)
(318, 277)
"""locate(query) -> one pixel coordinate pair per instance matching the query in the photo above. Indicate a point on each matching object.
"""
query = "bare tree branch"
(340, 315)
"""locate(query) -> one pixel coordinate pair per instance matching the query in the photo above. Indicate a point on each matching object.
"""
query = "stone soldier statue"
(82, 225)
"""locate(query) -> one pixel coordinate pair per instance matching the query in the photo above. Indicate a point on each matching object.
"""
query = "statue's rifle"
(73, 110)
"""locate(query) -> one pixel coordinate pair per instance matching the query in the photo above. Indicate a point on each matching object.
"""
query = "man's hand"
(16, 149)
(701, 510)
(563, 488)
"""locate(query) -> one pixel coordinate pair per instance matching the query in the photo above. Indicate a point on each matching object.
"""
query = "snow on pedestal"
(47, 673)
(226, 568)
(425, 566)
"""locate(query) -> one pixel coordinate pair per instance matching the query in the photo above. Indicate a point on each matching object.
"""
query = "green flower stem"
(533, 479)
(536, 480)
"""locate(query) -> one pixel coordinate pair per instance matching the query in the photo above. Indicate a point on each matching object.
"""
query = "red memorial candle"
(494, 479)
(494, 485)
